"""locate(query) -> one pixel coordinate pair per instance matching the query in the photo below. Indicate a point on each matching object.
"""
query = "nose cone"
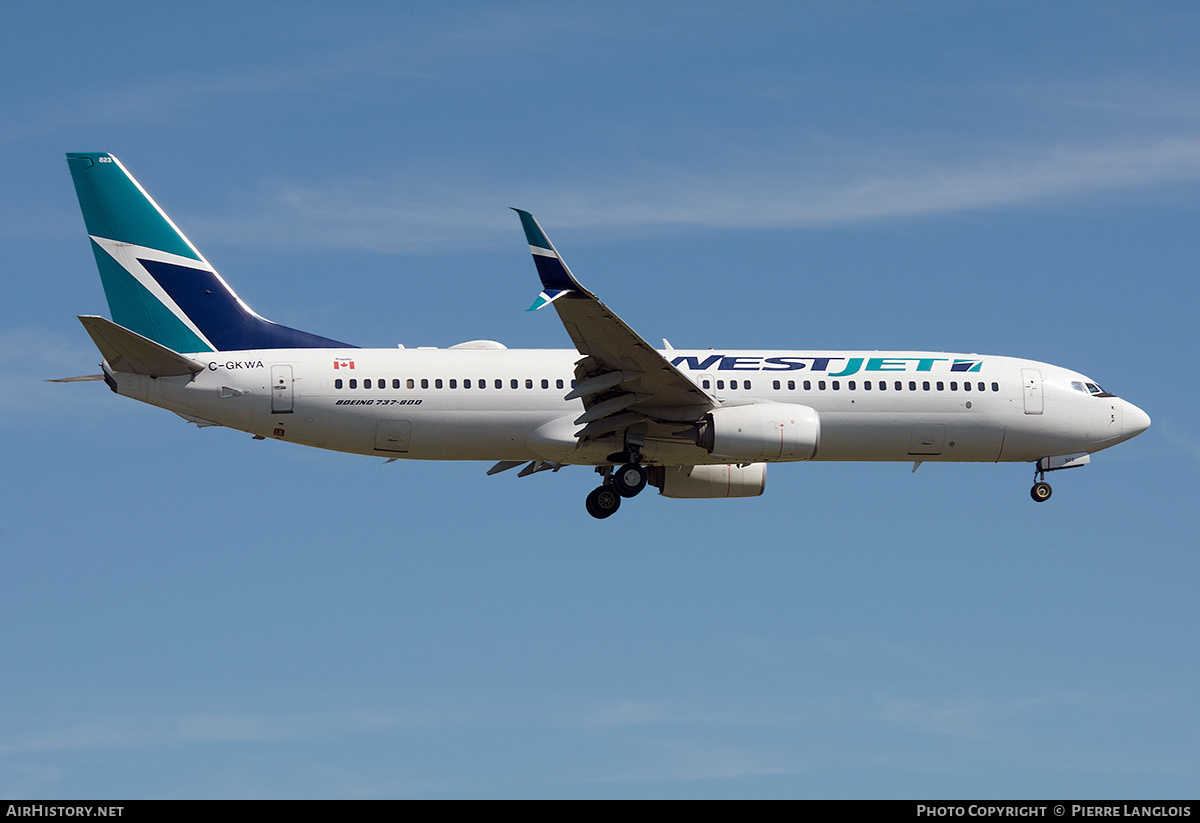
(1134, 421)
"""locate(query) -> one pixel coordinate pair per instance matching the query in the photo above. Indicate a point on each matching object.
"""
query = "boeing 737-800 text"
(691, 423)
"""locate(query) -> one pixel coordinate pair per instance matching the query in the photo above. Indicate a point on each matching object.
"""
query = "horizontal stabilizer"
(128, 351)
(80, 379)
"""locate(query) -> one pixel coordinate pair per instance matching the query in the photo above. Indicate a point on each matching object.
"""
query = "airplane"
(692, 423)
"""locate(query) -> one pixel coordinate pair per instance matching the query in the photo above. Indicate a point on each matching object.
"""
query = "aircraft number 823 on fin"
(691, 423)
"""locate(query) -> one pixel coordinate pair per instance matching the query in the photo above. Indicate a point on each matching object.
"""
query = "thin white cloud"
(39, 355)
(970, 718)
(690, 757)
(1121, 98)
(1183, 439)
(428, 52)
(41, 348)
(362, 215)
(128, 732)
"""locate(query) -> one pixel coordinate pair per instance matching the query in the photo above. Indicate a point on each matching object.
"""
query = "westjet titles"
(852, 365)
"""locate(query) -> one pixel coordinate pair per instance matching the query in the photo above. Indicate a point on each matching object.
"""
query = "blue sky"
(190, 613)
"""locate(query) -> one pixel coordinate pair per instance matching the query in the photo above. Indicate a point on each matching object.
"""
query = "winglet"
(557, 280)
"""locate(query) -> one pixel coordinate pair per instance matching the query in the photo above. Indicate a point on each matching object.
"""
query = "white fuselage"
(505, 404)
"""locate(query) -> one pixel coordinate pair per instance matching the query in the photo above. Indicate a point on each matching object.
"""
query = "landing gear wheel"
(629, 480)
(1040, 492)
(602, 502)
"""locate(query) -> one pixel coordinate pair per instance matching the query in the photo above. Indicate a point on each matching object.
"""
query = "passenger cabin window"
(337, 384)
(437, 383)
(792, 385)
(424, 382)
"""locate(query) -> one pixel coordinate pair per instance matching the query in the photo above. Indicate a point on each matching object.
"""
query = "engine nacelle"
(709, 481)
(763, 431)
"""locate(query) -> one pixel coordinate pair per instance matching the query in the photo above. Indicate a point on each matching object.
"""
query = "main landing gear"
(626, 481)
(603, 501)
(629, 480)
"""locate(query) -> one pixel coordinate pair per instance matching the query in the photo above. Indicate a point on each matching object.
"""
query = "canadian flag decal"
(343, 363)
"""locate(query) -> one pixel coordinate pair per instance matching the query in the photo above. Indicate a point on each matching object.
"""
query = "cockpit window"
(1090, 388)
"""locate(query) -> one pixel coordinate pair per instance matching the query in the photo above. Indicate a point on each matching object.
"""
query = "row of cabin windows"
(852, 385)
(438, 383)
(514, 383)
(867, 385)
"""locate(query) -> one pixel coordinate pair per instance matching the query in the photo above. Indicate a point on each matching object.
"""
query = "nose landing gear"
(1041, 489)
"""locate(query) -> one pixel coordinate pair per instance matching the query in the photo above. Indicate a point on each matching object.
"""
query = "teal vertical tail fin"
(156, 282)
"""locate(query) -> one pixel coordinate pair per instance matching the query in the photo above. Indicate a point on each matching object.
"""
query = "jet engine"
(762, 431)
(732, 480)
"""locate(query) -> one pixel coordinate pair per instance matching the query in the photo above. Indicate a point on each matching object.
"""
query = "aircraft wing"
(621, 378)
